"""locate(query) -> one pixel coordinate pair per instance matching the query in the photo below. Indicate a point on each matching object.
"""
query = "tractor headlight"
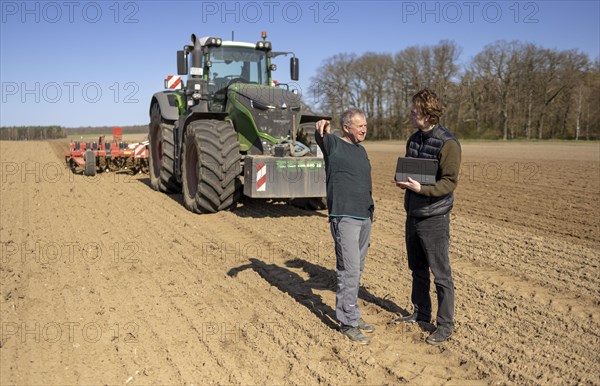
(213, 42)
(263, 45)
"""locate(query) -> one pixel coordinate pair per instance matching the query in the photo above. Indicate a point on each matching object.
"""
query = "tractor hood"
(265, 97)
(271, 108)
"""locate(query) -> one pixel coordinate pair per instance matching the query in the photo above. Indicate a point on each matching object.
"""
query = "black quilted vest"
(427, 145)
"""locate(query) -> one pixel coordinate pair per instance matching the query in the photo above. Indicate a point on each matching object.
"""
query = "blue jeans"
(351, 237)
(427, 248)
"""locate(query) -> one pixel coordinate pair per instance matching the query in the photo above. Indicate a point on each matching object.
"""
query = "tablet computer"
(423, 170)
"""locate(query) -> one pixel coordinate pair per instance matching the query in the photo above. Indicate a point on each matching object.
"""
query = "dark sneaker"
(412, 318)
(355, 334)
(439, 336)
(366, 327)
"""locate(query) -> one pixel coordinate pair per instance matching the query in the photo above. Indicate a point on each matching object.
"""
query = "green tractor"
(229, 130)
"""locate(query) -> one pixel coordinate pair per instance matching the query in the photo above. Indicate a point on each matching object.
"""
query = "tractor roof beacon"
(229, 129)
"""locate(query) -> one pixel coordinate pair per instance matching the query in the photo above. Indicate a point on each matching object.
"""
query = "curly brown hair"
(428, 103)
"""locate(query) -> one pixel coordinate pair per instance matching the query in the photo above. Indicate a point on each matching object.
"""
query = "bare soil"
(105, 281)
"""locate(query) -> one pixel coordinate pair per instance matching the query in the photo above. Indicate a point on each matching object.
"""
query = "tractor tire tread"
(162, 158)
(218, 168)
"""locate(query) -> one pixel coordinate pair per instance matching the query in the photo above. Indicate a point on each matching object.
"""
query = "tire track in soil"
(114, 222)
(518, 262)
(196, 329)
(544, 267)
(160, 357)
(514, 334)
(246, 232)
(48, 305)
(30, 264)
(276, 303)
(314, 232)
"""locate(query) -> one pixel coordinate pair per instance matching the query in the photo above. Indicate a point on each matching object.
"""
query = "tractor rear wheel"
(162, 153)
(90, 163)
(211, 166)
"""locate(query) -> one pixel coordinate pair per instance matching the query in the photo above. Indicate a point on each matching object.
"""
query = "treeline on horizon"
(509, 90)
(36, 133)
(31, 133)
(107, 130)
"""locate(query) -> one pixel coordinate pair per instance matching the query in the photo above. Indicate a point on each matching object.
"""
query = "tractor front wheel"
(210, 166)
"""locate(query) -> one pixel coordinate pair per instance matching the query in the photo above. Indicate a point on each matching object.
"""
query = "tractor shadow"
(251, 207)
(301, 290)
(271, 208)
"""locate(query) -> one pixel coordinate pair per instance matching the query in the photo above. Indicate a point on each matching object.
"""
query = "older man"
(350, 205)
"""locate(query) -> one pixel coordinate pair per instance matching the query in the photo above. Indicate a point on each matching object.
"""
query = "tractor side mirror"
(182, 64)
(294, 68)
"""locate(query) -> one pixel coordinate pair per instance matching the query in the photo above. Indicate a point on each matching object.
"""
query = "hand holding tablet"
(422, 170)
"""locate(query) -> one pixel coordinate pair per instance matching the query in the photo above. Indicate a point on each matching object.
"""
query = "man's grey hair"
(349, 114)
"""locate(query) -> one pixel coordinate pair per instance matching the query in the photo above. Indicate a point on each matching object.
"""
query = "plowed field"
(105, 281)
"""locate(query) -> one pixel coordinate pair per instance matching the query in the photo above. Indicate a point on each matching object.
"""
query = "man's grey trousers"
(351, 237)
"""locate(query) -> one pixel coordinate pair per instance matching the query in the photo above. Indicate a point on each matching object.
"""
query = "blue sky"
(93, 63)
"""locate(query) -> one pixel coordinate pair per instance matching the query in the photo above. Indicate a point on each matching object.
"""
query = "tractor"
(230, 130)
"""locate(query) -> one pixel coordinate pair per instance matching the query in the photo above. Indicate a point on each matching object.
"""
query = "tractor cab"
(232, 63)
(213, 65)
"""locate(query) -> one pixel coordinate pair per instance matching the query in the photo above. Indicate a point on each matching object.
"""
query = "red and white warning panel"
(173, 82)
(284, 177)
(140, 150)
(261, 177)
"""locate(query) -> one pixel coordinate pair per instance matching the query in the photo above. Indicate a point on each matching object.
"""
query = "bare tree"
(331, 88)
(372, 75)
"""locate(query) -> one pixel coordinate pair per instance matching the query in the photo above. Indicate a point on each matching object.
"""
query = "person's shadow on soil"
(301, 290)
(294, 285)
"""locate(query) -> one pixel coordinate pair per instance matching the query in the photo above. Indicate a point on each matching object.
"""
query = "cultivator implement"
(91, 157)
